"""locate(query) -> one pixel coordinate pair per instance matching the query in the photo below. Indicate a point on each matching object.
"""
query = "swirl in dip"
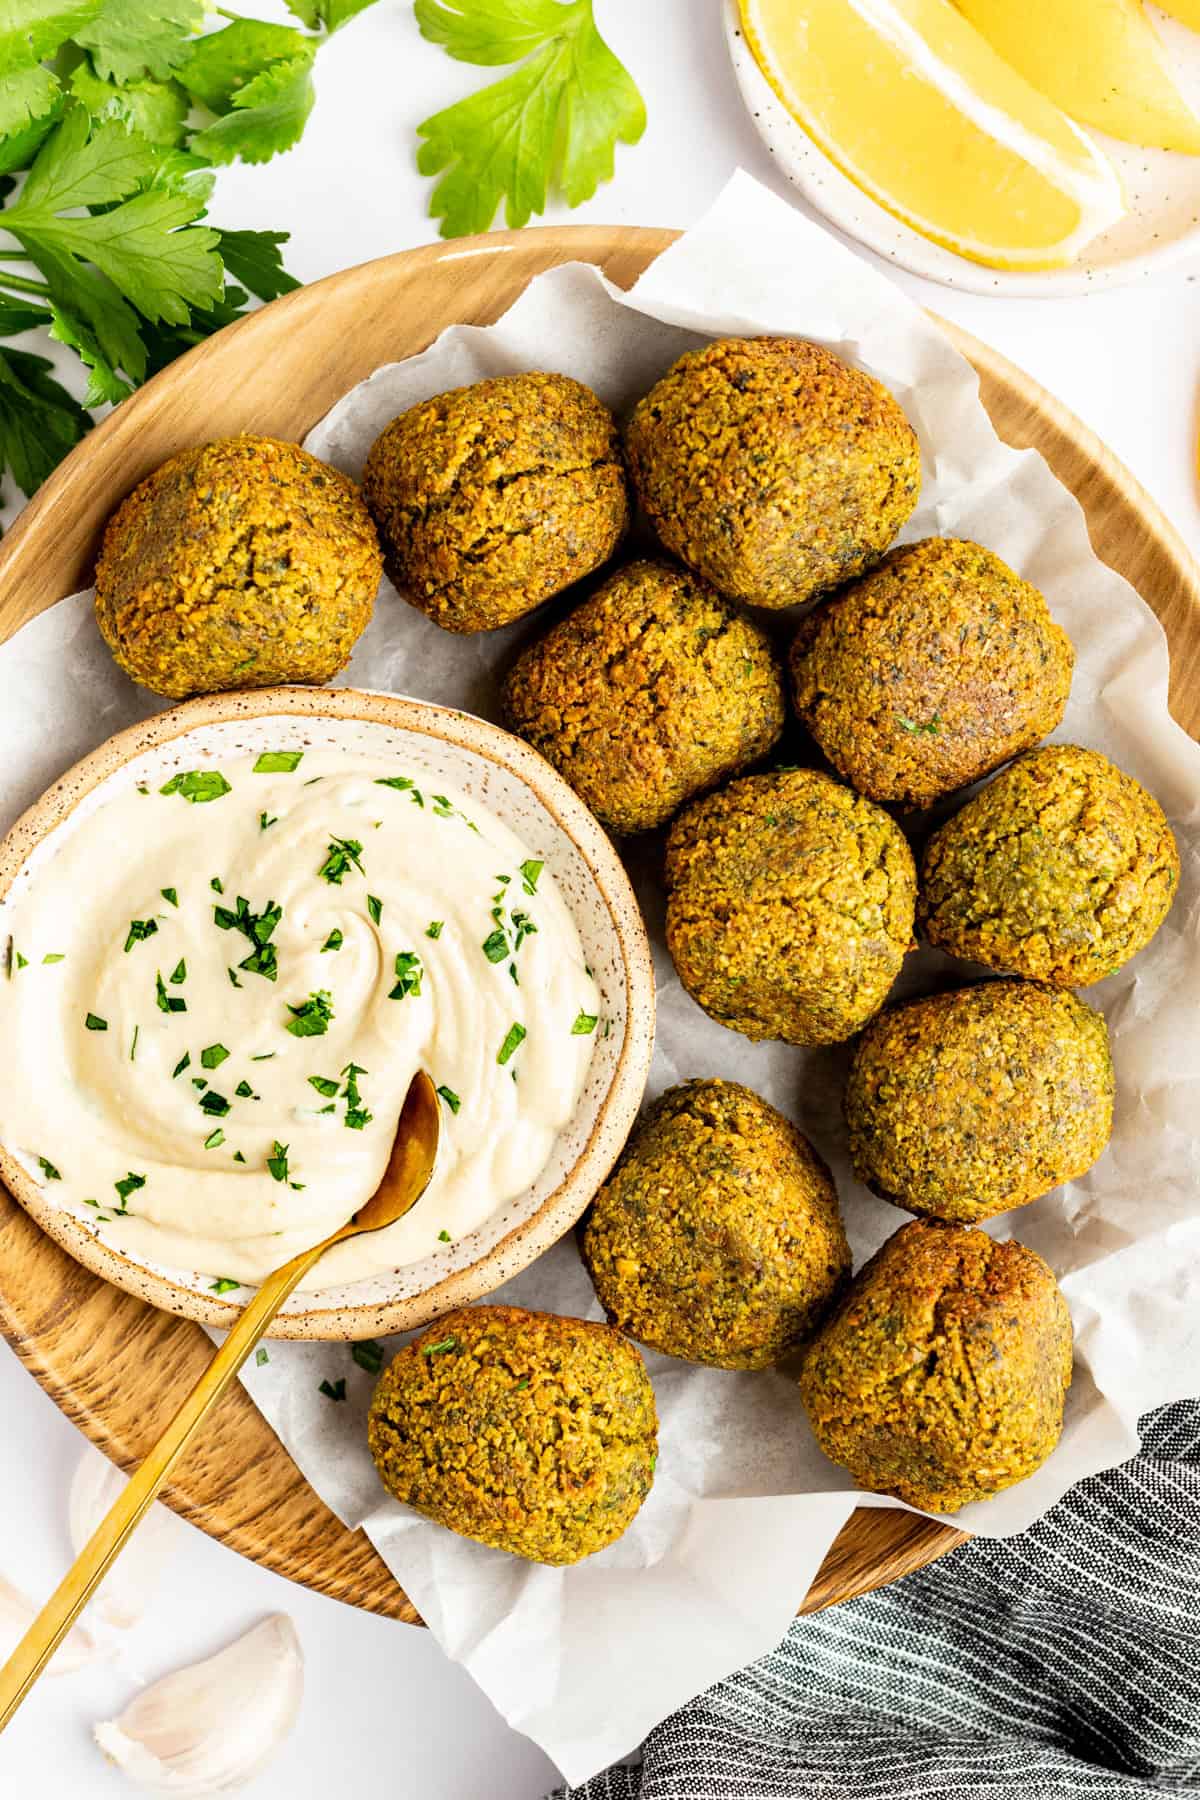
(218, 991)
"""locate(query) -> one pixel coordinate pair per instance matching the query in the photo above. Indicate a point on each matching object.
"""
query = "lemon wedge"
(915, 106)
(1100, 60)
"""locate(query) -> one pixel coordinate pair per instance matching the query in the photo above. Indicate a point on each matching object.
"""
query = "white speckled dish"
(1160, 229)
(502, 774)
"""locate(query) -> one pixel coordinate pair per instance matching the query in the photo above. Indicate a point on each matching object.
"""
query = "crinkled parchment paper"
(586, 1660)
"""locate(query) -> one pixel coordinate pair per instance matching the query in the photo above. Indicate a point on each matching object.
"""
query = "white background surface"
(385, 1717)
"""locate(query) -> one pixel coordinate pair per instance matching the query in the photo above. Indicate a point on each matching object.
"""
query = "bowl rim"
(618, 1109)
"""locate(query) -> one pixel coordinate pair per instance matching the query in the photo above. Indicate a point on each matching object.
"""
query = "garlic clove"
(211, 1727)
(129, 1585)
(17, 1613)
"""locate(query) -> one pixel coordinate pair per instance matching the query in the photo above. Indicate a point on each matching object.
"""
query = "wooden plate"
(117, 1367)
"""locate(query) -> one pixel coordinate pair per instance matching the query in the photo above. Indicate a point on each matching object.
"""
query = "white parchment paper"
(586, 1660)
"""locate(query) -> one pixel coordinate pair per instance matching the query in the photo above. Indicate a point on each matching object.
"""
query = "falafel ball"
(650, 692)
(529, 1432)
(930, 672)
(789, 906)
(241, 563)
(940, 1376)
(718, 1236)
(772, 468)
(491, 498)
(1061, 870)
(968, 1103)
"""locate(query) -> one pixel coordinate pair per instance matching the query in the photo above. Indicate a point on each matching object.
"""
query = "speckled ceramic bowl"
(511, 780)
(1160, 229)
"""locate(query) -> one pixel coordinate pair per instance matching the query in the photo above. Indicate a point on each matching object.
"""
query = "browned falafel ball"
(930, 671)
(650, 692)
(1061, 870)
(241, 563)
(968, 1103)
(491, 498)
(529, 1432)
(718, 1236)
(940, 1376)
(789, 906)
(772, 468)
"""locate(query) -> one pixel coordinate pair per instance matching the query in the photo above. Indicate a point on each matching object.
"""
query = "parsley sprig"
(116, 111)
(554, 121)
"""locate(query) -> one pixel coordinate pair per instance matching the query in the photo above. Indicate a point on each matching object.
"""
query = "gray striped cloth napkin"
(1063, 1662)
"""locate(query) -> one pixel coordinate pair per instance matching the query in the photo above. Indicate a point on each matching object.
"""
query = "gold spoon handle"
(99, 1553)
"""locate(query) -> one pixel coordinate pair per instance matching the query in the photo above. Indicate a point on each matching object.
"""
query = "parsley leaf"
(198, 785)
(332, 14)
(556, 119)
(131, 38)
(253, 258)
(39, 420)
(278, 762)
(266, 116)
(344, 853)
(311, 1018)
(222, 62)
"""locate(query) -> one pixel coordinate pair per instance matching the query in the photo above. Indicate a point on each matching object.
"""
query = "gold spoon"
(404, 1181)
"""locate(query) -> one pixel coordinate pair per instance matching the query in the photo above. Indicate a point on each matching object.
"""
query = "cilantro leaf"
(104, 384)
(33, 29)
(26, 95)
(266, 116)
(39, 420)
(19, 147)
(224, 61)
(555, 119)
(131, 38)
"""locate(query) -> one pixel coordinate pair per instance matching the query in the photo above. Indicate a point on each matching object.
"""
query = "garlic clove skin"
(210, 1728)
(17, 1613)
(129, 1585)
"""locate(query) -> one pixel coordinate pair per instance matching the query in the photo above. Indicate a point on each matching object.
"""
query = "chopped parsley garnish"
(356, 1114)
(443, 1236)
(451, 1098)
(265, 821)
(261, 1357)
(232, 974)
(215, 1104)
(495, 946)
(224, 1284)
(54, 956)
(48, 1169)
(929, 729)
(198, 1081)
(129, 1184)
(278, 762)
(264, 1056)
(95, 1023)
(211, 1057)
(324, 1086)
(244, 1091)
(23, 961)
(401, 783)
(139, 931)
(584, 1023)
(167, 1003)
(217, 885)
(434, 928)
(334, 941)
(238, 1157)
(368, 1355)
(179, 972)
(257, 929)
(375, 907)
(513, 1039)
(133, 1042)
(335, 1390)
(408, 975)
(529, 875)
(185, 1062)
(311, 1018)
(214, 1138)
(170, 895)
(450, 1343)
(198, 785)
(344, 854)
(277, 1162)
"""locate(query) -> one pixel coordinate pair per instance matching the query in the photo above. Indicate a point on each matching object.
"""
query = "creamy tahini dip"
(218, 991)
